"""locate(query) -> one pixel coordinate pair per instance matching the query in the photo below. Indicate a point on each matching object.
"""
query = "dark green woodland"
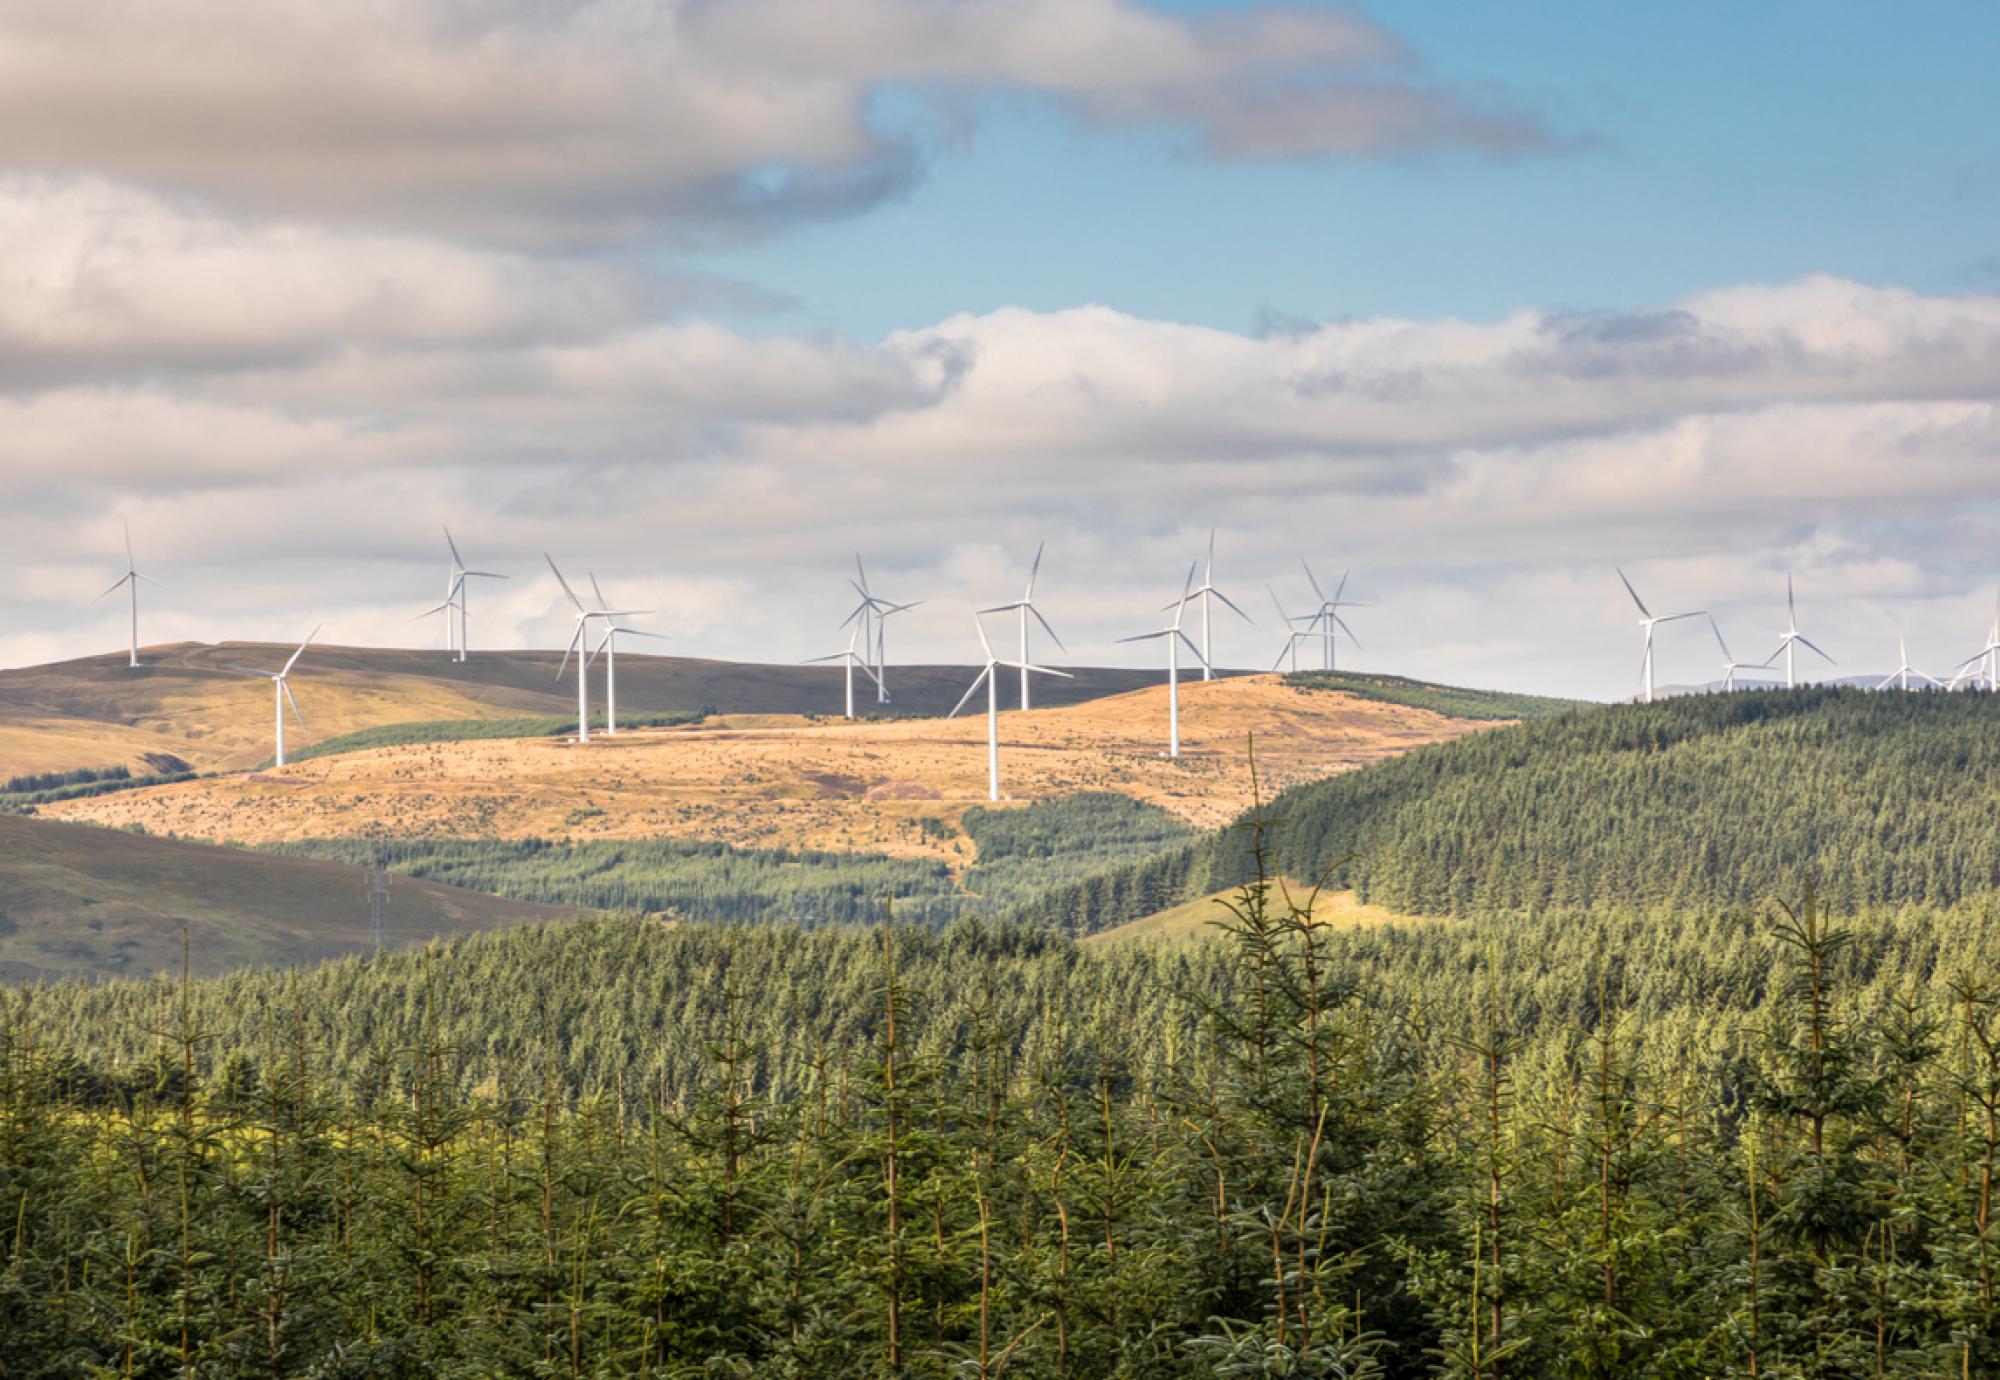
(1691, 1126)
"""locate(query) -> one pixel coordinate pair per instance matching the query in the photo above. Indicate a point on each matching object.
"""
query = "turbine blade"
(972, 689)
(1676, 617)
(1006, 608)
(299, 653)
(1148, 637)
(286, 686)
(1644, 612)
(484, 575)
(1038, 670)
(1033, 571)
(131, 561)
(574, 639)
(114, 589)
(1191, 647)
(602, 602)
(1283, 617)
(1718, 637)
(980, 628)
(1341, 588)
(1342, 624)
(1239, 612)
(1047, 629)
(1829, 660)
(564, 583)
(1318, 593)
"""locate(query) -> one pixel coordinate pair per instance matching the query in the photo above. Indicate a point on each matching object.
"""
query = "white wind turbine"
(1984, 663)
(1293, 637)
(851, 659)
(1175, 637)
(457, 632)
(1207, 593)
(1024, 606)
(1901, 675)
(579, 647)
(1730, 665)
(608, 645)
(281, 693)
(130, 580)
(1648, 622)
(1793, 637)
(989, 675)
(873, 613)
(1327, 617)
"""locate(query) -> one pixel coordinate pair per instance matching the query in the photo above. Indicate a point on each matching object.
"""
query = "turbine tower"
(989, 675)
(1788, 644)
(1327, 617)
(579, 647)
(1175, 637)
(1208, 593)
(281, 694)
(852, 659)
(457, 632)
(608, 645)
(1903, 670)
(1024, 606)
(130, 581)
(1648, 622)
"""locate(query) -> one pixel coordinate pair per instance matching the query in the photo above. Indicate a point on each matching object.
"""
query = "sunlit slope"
(895, 787)
(184, 702)
(74, 899)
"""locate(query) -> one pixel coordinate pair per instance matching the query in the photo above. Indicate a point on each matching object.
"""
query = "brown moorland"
(898, 787)
(185, 702)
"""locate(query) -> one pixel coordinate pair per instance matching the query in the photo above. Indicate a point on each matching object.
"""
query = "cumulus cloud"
(1484, 470)
(601, 121)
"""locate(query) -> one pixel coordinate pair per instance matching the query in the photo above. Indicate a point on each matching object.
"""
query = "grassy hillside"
(76, 899)
(1450, 700)
(1703, 801)
(184, 702)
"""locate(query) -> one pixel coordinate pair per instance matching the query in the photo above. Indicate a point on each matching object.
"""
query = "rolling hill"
(81, 900)
(895, 787)
(1703, 801)
(185, 705)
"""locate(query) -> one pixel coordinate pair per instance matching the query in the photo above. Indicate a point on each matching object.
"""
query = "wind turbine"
(875, 612)
(281, 693)
(1327, 617)
(1648, 622)
(130, 580)
(992, 681)
(1792, 636)
(1292, 635)
(1175, 637)
(1208, 593)
(1903, 670)
(608, 644)
(851, 658)
(1730, 666)
(579, 647)
(1984, 663)
(1024, 606)
(455, 596)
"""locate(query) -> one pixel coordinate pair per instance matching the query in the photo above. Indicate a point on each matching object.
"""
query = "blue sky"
(1718, 144)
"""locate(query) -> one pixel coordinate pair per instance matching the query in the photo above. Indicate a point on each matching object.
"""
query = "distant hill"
(185, 706)
(75, 899)
(1700, 801)
(1452, 701)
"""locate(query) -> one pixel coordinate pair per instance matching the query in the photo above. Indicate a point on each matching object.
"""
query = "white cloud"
(600, 121)
(1489, 472)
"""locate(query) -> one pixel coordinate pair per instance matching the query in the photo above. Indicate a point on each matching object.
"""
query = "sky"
(706, 296)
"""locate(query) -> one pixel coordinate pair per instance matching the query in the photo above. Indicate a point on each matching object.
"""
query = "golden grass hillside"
(897, 787)
(185, 703)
